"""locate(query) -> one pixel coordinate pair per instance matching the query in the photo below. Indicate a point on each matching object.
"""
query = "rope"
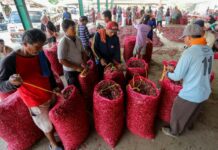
(40, 88)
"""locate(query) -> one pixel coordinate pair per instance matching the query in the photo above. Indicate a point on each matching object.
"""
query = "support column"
(112, 3)
(106, 4)
(81, 12)
(23, 13)
(98, 4)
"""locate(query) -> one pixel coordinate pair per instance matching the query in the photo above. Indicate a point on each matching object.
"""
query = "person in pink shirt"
(141, 38)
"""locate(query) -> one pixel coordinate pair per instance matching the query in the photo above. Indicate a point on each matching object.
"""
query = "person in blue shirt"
(66, 14)
(152, 23)
(194, 69)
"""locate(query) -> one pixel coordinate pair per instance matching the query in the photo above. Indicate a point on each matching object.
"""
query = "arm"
(181, 68)
(7, 68)
(96, 47)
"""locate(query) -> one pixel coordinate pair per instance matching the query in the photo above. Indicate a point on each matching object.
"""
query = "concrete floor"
(203, 137)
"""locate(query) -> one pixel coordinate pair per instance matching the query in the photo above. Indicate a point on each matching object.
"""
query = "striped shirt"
(84, 35)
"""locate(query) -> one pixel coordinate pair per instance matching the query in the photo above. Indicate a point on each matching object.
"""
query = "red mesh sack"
(216, 55)
(109, 111)
(70, 119)
(5, 95)
(126, 32)
(142, 102)
(169, 91)
(16, 125)
(129, 44)
(136, 66)
(87, 80)
(51, 54)
(112, 73)
(149, 49)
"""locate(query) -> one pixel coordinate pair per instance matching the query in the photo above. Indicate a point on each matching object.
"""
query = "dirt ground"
(204, 136)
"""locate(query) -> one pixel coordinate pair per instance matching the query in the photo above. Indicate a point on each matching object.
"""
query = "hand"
(103, 62)
(15, 79)
(170, 68)
(79, 69)
(121, 67)
(57, 91)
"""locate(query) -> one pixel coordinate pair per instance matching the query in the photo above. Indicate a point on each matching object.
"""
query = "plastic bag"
(109, 111)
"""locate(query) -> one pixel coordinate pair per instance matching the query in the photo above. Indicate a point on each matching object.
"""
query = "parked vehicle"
(15, 27)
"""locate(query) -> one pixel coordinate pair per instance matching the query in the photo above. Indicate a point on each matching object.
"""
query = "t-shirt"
(66, 15)
(71, 51)
(84, 35)
(194, 67)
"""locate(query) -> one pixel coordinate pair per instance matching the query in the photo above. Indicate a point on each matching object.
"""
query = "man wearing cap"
(210, 37)
(194, 68)
(106, 47)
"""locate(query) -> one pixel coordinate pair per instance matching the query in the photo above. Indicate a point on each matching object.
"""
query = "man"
(49, 29)
(4, 50)
(107, 16)
(152, 24)
(114, 13)
(149, 11)
(93, 15)
(194, 68)
(84, 35)
(71, 53)
(210, 37)
(159, 18)
(106, 47)
(29, 65)
(66, 14)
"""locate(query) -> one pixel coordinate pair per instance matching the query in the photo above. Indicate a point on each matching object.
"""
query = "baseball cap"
(192, 30)
(200, 23)
(112, 25)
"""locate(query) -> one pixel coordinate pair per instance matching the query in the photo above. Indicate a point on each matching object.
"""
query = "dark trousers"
(72, 78)
(100, 71)
(183, 115)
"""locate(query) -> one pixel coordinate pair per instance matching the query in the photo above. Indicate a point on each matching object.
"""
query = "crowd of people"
(74, 49)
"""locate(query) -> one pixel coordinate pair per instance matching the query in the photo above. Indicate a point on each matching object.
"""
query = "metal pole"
(23, 13)
(112, 2)
(81, 12)
(99, 8)
(106, 4)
